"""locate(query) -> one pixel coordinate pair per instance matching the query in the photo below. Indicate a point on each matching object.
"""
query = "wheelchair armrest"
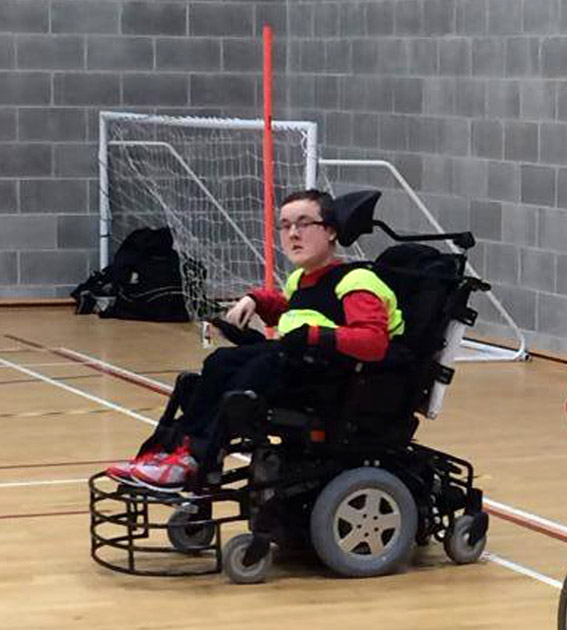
(237, 336)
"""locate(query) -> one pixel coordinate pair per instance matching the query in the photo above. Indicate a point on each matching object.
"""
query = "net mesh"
(206, 185)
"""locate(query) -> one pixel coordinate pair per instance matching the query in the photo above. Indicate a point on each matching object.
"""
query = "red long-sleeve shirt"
(364, 335)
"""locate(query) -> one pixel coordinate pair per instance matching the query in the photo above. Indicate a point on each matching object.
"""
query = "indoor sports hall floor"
(64, 416)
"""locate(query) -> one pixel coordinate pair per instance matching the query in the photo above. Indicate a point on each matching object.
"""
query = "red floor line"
(526, 523)
(57, 464)
(94, 366)
(43, 514)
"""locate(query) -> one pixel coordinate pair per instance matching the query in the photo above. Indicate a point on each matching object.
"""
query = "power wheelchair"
(338, 471)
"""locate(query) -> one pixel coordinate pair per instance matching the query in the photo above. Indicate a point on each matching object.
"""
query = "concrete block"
(562, 101)
(157, 89)
(365, 56)
(551, 314)
(70, 16)
(486, 220)
(380, 17)
(53, 267)
(439, 17)
(240, 55)
(312, 56)
(24, 17)
(302, 90)
(503, 263)
(76, 160)
(471, 17)
(521, 141)
(504, 181)
(338, 56)
(8, 124)
(488, 56)
(7, 52)
(552, 230)
(190, 54)
(423, 134)
(326, 92)
(470, 97)
(21, 160)
(53, 195)
(553, 57)
(411, 167)
(300, 19)
(393, 56)
(537, 99)
(338, 128)
(89, 89)
(455, 56)
(25, 231)
(487, 138)
(454, 136)
(538, 185)
(352, 19)
(120, 53)
(365, 130)
(19, 291)
(519, 302)
(437, 174)
(29, 88)
(553, 143)
(8, 196)
(439, 96)
(537, 269)
(408, 95)
(470, 178)
(49, 52)
(408, 17)
(394, 132)
(522, 56)
(353, 93)
(223, 90)
(505, 17)
(325, 19)
(519, 224)
(562, 188)
(502, 99)
(274, 14)
(454, 214)
(423, 56)
(542, 16)
(561, 277)
(77, 232)
(8, 267)
(380, 94)
(170, 18)
(57, 124)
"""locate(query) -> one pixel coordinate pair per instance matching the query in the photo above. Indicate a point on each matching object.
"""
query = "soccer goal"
(202, 177)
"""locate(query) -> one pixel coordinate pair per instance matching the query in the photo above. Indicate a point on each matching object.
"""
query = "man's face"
(305, 241)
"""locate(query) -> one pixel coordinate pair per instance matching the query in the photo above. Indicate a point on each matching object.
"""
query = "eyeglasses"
(300, 225)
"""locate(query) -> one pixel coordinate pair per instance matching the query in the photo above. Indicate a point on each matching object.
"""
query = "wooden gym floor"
(63, 417)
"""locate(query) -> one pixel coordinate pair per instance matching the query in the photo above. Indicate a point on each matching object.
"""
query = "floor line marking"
(78, 392)
(518, 568)
(46, 482)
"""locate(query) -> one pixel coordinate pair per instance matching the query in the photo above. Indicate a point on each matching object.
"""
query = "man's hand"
(296, 341)
(241, 313)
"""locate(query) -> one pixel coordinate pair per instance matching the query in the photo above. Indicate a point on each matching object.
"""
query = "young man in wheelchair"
(338, 314)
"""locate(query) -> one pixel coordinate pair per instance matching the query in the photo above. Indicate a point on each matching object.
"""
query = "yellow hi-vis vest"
(321, 304)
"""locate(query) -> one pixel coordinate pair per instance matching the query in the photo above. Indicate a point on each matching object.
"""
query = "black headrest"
(354, 213)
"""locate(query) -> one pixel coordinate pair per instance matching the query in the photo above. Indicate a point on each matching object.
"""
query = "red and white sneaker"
(166, 475)
(122, 471)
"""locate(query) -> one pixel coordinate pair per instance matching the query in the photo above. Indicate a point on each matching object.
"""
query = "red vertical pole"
(268, 162)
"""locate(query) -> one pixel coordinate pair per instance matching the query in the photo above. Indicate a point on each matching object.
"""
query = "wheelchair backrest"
(423, 280)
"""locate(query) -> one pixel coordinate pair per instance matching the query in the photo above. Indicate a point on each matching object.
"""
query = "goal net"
(203, 178)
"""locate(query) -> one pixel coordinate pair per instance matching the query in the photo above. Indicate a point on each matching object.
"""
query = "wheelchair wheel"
(457, 545)
(562, 609)
(364, 523)
(186, 537)
(233, 554)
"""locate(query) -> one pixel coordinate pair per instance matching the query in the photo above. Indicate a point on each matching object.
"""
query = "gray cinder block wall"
(467, 97)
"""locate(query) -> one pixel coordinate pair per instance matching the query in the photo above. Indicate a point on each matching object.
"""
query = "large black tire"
(457, 545)
(233, 554)
(562, 609)
(364, 523)
(186, 537)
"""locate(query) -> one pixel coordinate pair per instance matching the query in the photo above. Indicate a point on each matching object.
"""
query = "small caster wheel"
(186, 537)
(457, 545)
(233, 555)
